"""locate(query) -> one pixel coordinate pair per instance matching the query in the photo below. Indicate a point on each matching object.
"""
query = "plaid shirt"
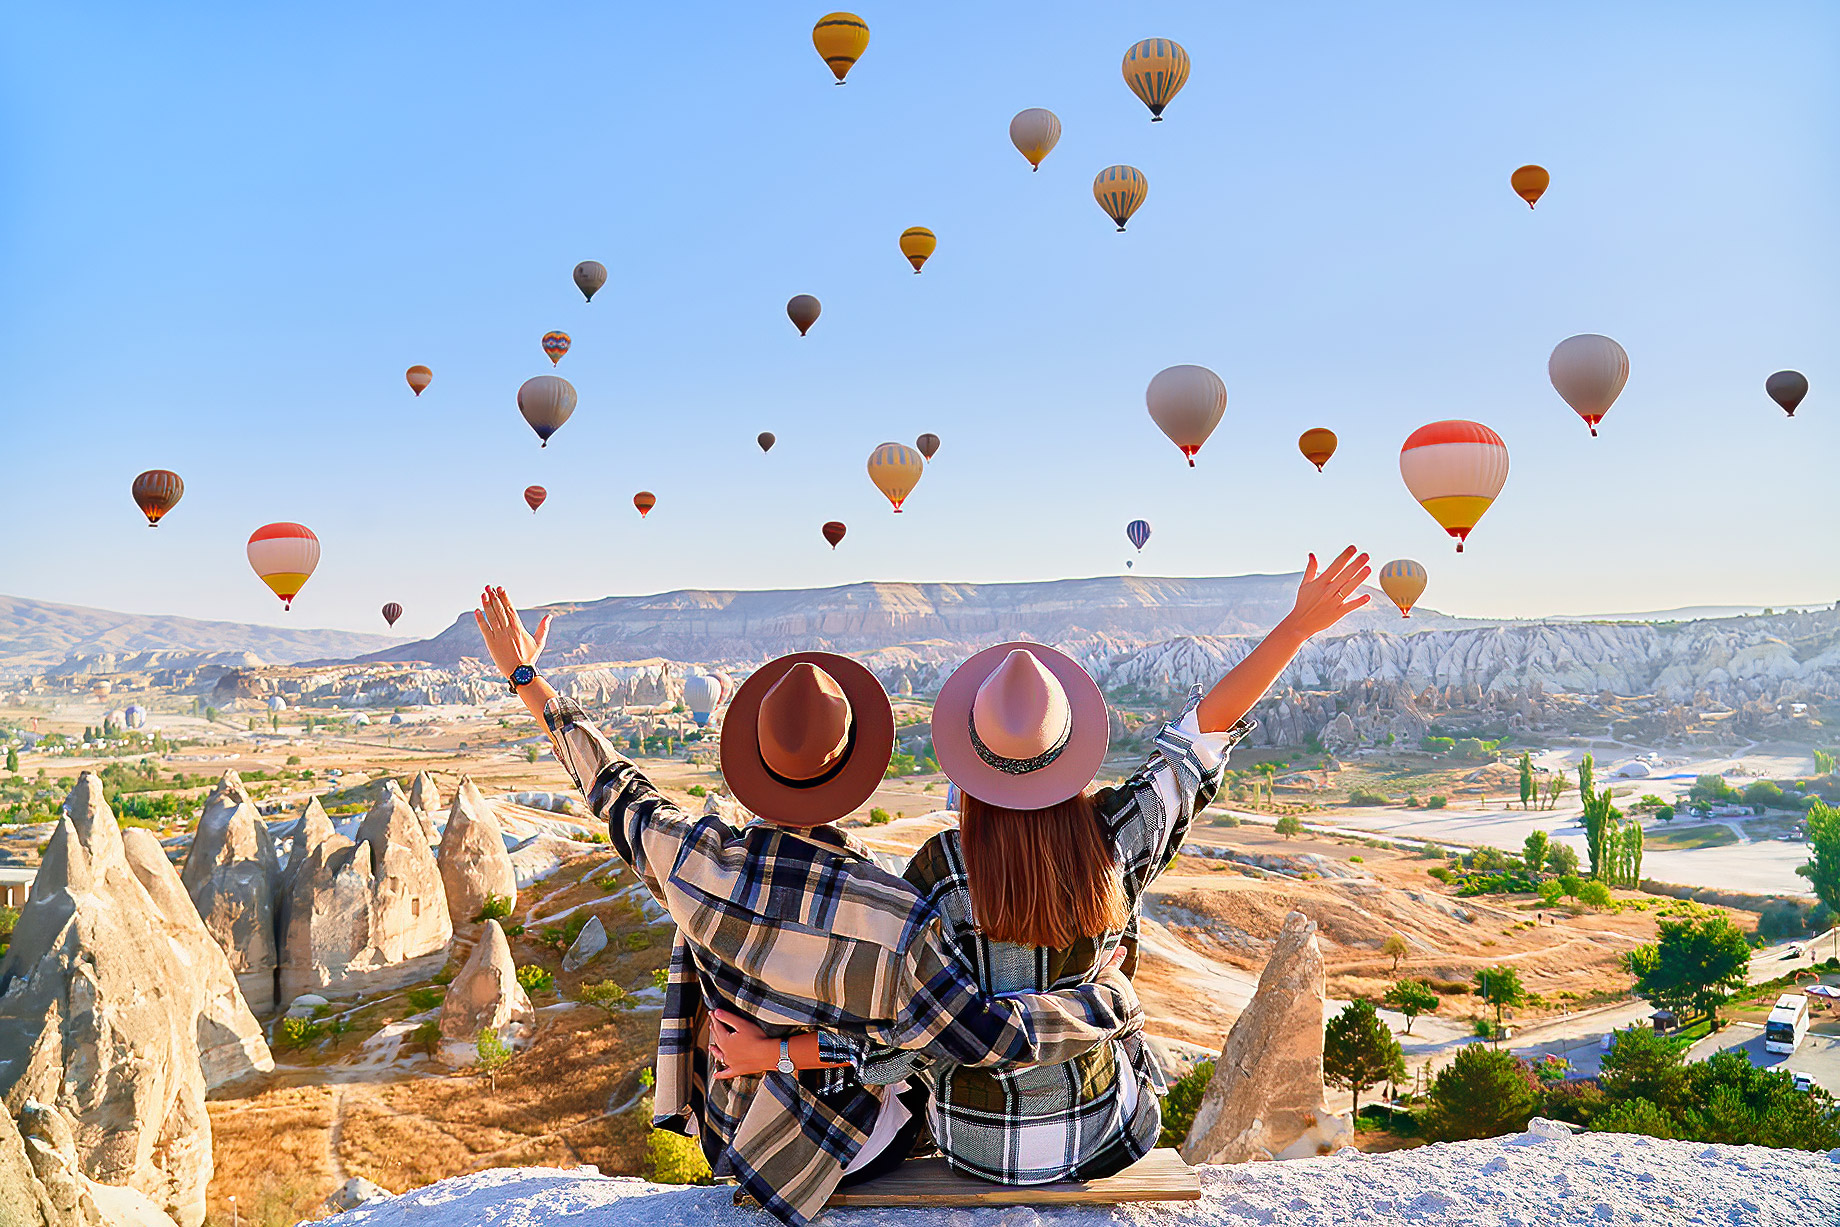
(801, 929)
(1099, 1112)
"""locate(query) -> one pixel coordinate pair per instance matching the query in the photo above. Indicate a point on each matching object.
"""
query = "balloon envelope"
(1317, 444)
(1186, 403)
(1137, 532)
(546, 403)
(645, 500)
(895, 468)
(419, 377)
(1034, 133)
(1787, 388)
(928, 444)
(840, 38)
(155, 492)
(1530, 183)
(534, 496)
(1403, 581)
(1120, 191)
(284, 555)
(590, 276)
(917, 243)
(701, 694)
(803, 310)
(391, 612)
(555, 344)
(1156, 69)
(833, 531)
(1589, 371)
(1454, 469)
(766, 439)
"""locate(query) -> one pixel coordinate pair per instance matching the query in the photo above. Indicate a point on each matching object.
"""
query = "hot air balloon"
(534, 496)
(928, 443)
(895, 468)
(840, 38)
(1455, 469)
(1156, 69)
(590, 276)
(1186, 403)
(419, 377)
(101, 689)
(766, 439)
(555, 344)
(645, 500)
(1786, 388)
(546, 403)
(803, 310)
(1137, 532)
(157, 490)
(1034, 133)
(391, 612)
(284, 555)
(1120, 191)
(833, 531)
(917, 243)
(1317, 444)
(1403, 581)
(701, 694)
(1530, 183)
(1589, 371)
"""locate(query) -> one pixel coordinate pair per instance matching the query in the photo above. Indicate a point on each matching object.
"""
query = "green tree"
(1288, 826)
(491, 1055)
(531, 753)
(1734, 1102)
(1556, 784)
(1410, 998)
(1359, 1050)
(1528, 790)
(1710, 790)
(1587, 775)
(1482, 1094)
(1693, 966)
(1184, 1098)
(1500, 987)
(1643, 1064)
(1632, 855)
(12, 760)
(1395, 947)
(1633, 1116)
(1533, 852)
(1561, 859)
(1595, 894)
(1823, 762)
(1823, 866)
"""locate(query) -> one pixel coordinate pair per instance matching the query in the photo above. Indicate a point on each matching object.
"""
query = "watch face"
(523, 675)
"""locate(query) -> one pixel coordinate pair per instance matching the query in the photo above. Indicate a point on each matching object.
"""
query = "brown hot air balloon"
(928, 443)
(833, 532)
(391, 612)
(419, 377)
(1530, 183)
(156, 491)
(1317, 444)
(803, 311)
(534, 495)
(645, 500)
(766, 439)
(1786, 388)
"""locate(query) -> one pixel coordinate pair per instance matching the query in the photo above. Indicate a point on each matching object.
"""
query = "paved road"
(1818, 1056)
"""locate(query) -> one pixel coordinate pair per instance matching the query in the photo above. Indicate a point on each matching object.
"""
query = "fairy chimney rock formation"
(231, 874)
(473, 861)
(1266, 1097)
(425, 796)
(312, 830)
(410, 903)
(486, 996)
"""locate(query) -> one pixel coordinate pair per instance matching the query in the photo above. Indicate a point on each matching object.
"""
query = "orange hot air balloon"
(156, 491)
(534, 495)
(645, 500)
(391, 612)
(284, 555)
(1317, 444)
(1530, 183)
(833, 531)
(555, 344)
(895, 468)
(419, 377)
(917, 243)
(1403, 581)
(928, 444)
(803, 310)
(1454, 469)
(1156, 69)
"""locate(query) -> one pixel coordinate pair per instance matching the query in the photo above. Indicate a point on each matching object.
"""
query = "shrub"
(607, 996)
(561, 937)
(427, 997)
(878, 816)
(697, 790)
(427, 1035)
(1439, 872)
(1551, 892)
(1595, 894)
(672, 1158)
(496, 907)
(1184, 1098)
(1288, 826)
(1437, 745)
(297, 1033)
(1225, 820)
(639, 940)
(1367, 796)
(1431, 852)
(1481, 1094)
(661, 977)
(1633, 1116)
(535, 979)
(1437, 802)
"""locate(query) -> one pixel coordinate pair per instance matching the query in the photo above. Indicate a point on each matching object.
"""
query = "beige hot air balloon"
(1034, 133)
(895, 468)
(1403, 581)
(546, 403)
(419, 378)
(1187, 403)
(590, 276)
(1589, 371)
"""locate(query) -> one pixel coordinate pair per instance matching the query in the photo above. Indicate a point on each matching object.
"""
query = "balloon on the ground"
(1186, 403)
(284, 555)
(157, 490)
(1787, 388)
(833, 531)
(391, 612)
(1403, 581)
(766, 439)
(895, 468)
(701, 694)
(1317, 444)
(803, 310)
(419, 377)
(590, 276)
(534, 496)
(1589, 371)
(546, 403)
(645, 500)
(1530, 183)
(1137, 532)
(928, 444)
(840, 38)
(1034, 133)
(1455, 469)
(555, 344)
(917, 243)
(1120, 191)
(1156, 69)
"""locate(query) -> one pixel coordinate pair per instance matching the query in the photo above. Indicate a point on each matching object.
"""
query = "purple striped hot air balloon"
(1139, 532)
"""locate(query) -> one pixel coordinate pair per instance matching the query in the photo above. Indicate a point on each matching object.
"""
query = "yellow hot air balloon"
(1317, 444)
(1034, 133)
(419, 377)
(1454, 469)
(917, 243)
(1120, 191)
(840, 38)
(895, 468)
(1403, 581)
(284, 555)
(1156, 69)
(1530, 183)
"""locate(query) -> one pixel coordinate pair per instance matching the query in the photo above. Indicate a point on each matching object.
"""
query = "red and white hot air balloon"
(1455, 469)
(534, 495)
(284, 555)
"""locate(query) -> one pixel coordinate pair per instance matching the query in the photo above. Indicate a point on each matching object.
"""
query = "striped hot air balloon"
(419, 378)
(1156, 70)
(555, 344)
(1455, 469)
(840, 38)
(895, 468)
(1317, 444)
(534, 496)
(1137, 532)
(155, 492)
(391, 612)
(284, 555)
(1403, 581)
(645, 500)
(917, 243)
(1120, 191)
(833, 531)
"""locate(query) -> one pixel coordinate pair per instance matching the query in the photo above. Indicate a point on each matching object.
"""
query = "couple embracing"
(822, 1013)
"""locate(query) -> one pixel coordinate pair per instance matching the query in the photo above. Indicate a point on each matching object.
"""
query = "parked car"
(1803, 1082)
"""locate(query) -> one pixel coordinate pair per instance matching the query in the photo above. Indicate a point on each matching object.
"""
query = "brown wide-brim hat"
(1073, 767)
(797, 804)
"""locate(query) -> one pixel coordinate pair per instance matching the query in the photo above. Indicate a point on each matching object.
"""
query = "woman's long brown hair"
(1040, 877)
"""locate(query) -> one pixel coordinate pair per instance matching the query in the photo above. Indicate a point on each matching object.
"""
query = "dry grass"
(270, 1146)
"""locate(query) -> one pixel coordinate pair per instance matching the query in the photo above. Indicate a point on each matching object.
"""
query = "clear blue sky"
(225, 230)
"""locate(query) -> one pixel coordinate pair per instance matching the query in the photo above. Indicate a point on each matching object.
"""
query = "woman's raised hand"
(1322, 597)
(506, 639)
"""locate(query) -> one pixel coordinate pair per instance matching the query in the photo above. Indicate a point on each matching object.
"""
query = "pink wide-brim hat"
(1016, 713)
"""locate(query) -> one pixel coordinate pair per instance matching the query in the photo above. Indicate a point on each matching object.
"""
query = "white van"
(1787, 1025)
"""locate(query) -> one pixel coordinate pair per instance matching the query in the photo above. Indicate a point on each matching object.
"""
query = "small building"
(16, 884)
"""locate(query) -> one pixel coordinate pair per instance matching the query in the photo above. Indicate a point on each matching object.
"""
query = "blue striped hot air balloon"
(1139, 532)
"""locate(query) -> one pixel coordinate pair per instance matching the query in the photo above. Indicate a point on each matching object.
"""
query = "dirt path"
(334, 1136)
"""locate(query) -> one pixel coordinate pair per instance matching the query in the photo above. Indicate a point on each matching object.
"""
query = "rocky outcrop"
(587, 946)
(231, 874)
(1266, 1097)
(473, 860)
(486, 996)
(409, 910)
(425, 795)
(43, 1185)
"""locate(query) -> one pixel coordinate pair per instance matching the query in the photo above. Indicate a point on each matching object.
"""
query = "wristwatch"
(523, 675)
(785, 1056)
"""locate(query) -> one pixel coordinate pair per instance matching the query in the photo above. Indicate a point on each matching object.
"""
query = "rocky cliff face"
(472, 858)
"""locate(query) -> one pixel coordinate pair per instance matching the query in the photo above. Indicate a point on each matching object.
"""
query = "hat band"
(826, 776)
(1019, 766)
